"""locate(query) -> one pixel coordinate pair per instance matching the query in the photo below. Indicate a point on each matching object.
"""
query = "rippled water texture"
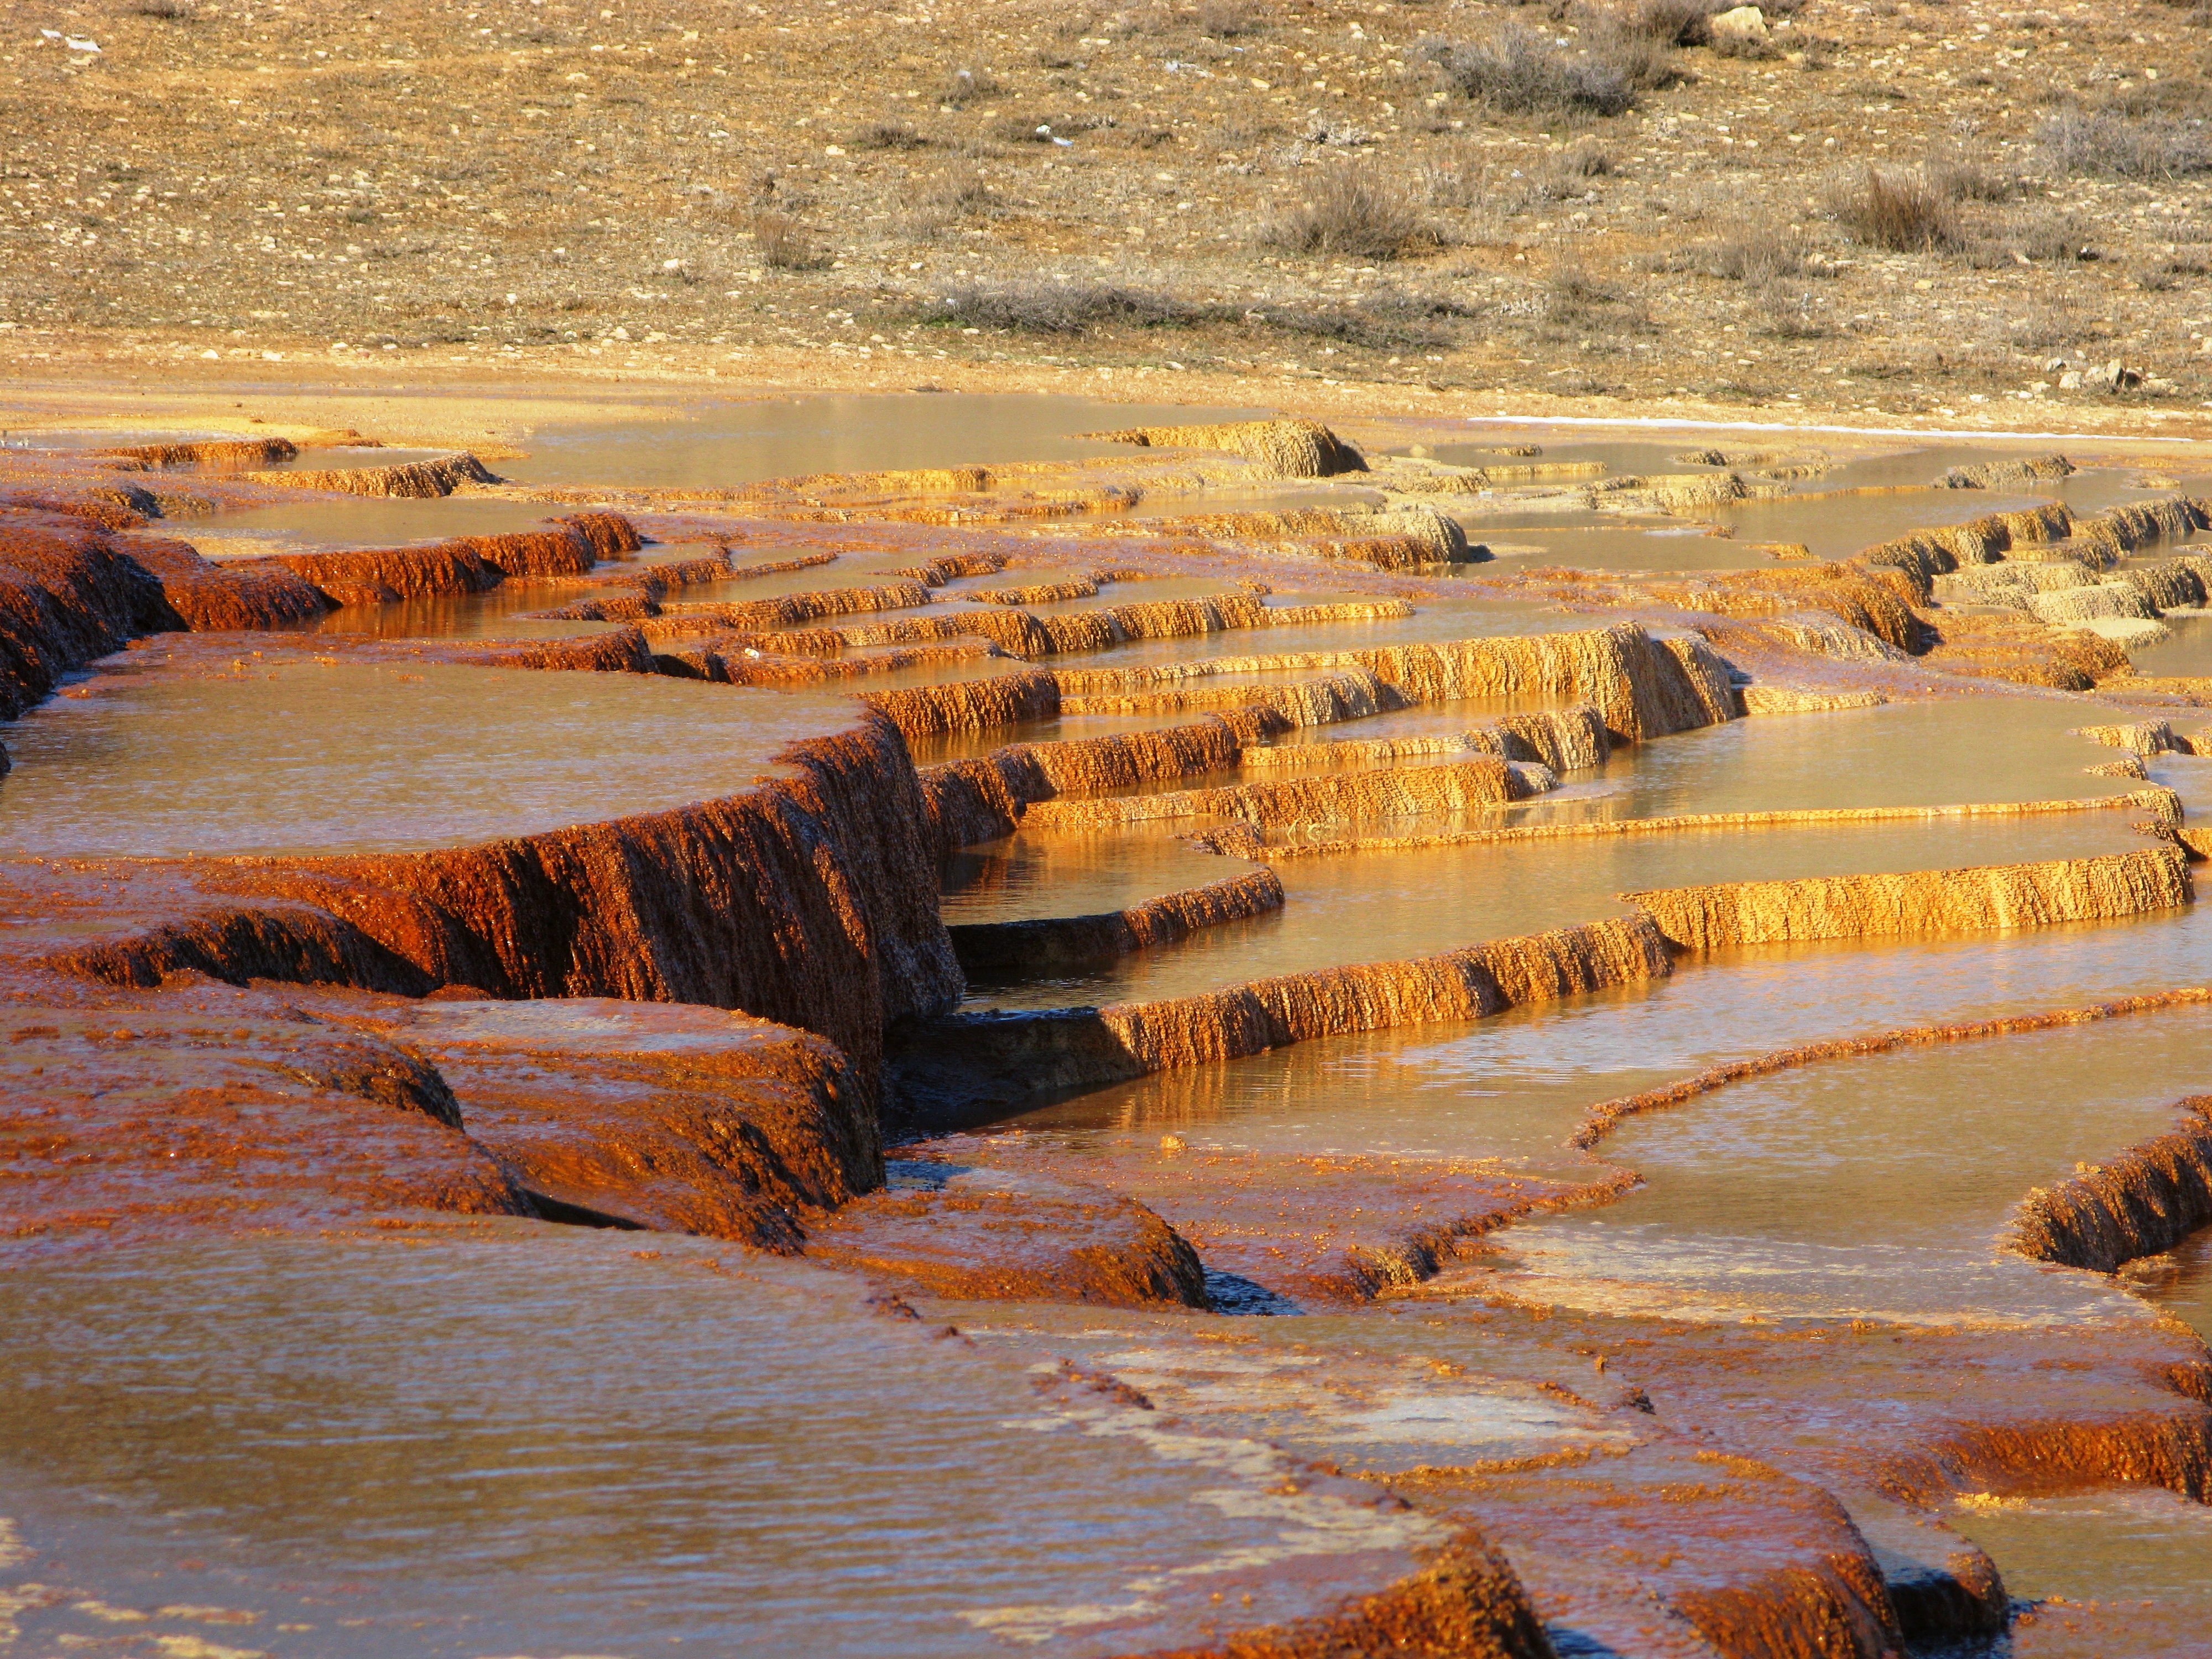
(470, 1440)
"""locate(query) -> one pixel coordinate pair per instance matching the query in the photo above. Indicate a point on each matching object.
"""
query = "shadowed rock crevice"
(1002, 949)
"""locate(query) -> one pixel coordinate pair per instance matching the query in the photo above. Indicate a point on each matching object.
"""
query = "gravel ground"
(1031, 193)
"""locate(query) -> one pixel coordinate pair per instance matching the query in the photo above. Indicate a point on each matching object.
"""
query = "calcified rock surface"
(1166, 848)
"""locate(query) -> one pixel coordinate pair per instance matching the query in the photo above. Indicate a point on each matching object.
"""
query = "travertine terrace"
(1316, 955)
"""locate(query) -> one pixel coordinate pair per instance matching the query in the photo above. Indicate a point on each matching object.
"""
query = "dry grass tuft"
(2124, 146)
(889, 135)
(964, 85)
(1762, 254)
(1059, 308)
(1353, 211)
(1227, 20)
(2051, 233)
(1672, 23)
(1387, 320)
(1961, 180)
(1900, 211)
(1518, 71)
(783, 245)
(960, 190)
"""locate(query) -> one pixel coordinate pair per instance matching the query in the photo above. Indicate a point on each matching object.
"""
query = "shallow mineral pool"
(718, 445)
(508, 1438)
(304, 756)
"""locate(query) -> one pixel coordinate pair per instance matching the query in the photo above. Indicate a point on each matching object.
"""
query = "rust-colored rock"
(465, 564)
(204, 1105)
(1468, 1604)
(412, 480)
(1921, 901)
(963, 1069)
(809, 900)
(650, 1114)
(68, 593)
(981, 800)
(1282, 449)
(2144, 1202)
(1333, 797)
(1057, 1244)
(1676, 1550)
(1028, 948)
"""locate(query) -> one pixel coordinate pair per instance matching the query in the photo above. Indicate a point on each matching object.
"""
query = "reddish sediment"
(811, 900)
(2160, 802)
(1668, 1549)
(68, 594)
(654, 1116)
(413, 480)
(1334, 798)
(204, 1105)
(464, 564)
(1318, 1230)
(983, 799)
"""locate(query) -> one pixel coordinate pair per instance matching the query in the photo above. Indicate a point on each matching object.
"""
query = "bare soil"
(1026, 194)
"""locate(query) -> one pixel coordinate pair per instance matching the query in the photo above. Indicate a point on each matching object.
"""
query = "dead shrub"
(1959, 180)
(1351, 210)
(964, 85)
(783, 244)
(2168, 274)
(1794, 319)
(1456, 181)
(2050, 233)
(1227, 20)
(1672, 23)
(1387, 320)
(1572, 298)
(889, 135)
(1900, 211)
(1059, 308)
(2123, 146)
(1517, 71)
(1567, 173)
(168, 12)
(1762, 254)
(958, 190)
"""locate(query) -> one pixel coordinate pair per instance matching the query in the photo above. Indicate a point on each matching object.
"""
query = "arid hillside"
(1979, 209)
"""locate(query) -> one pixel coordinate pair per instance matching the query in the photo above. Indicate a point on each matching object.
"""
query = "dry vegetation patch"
(1269, 182)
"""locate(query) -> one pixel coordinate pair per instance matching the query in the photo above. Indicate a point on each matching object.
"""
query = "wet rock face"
(205, 1104)
(200, 1105)
(67, 595)
(810, 899)
(1601, 1545)
(653, 1115)
(1038, 1243)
